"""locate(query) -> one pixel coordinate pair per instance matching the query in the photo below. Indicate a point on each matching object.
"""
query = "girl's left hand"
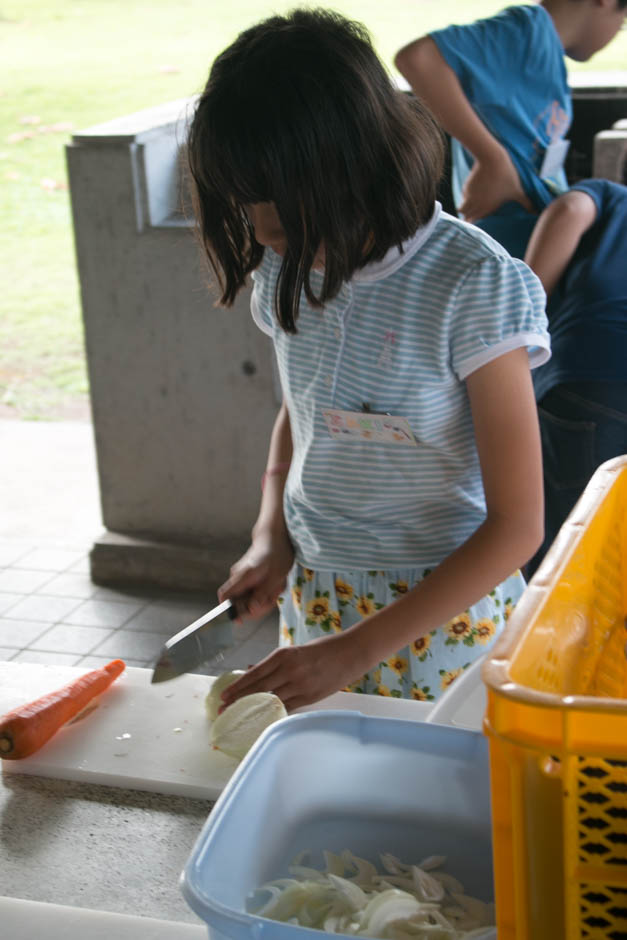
(300, 675)
(489, 185)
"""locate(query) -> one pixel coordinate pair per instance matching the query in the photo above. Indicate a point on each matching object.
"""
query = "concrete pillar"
(599, 101)
(183, 393)
(610, 153)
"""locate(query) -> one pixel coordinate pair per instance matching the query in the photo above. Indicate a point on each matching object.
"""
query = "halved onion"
(239, 725)
(213, 702)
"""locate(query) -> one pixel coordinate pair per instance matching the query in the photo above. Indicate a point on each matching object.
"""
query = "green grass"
(72, 63)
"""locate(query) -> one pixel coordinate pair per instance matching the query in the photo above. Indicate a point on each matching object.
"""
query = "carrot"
(28, 727)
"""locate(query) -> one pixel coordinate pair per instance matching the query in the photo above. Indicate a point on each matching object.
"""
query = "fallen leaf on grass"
(55, 128)
(30, 119)
(12, 175)
(21, 135)
(169, 69)
(50, 184)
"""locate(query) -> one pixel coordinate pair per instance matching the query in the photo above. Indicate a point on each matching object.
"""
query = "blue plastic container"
(340, 780)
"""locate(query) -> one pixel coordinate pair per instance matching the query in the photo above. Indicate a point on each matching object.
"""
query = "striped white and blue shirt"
(401, 336)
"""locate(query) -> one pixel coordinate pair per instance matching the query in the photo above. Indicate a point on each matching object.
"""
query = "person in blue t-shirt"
(578, 249)
(499, 87)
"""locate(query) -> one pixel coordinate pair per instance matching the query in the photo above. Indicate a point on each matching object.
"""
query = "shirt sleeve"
(506, 45)
(595, 188)
(262, 299)
(500, 306)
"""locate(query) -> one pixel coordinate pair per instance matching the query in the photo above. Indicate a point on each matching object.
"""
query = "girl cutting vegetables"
(403, 487)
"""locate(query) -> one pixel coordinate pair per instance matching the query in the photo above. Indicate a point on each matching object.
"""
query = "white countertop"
(25, 920)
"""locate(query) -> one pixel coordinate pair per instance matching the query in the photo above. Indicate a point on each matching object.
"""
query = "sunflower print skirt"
(317, 603)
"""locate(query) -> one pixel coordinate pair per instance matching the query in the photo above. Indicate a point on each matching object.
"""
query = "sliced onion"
(408, 902)
(427, 887)
(334, 864)
(385, 909)
(365, 871)
(351, 893)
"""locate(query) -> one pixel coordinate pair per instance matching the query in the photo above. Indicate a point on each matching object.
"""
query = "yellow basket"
(557, 724)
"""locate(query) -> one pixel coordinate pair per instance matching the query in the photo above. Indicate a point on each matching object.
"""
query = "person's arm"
(493, 179)
(557, 234)
(261, 572)
(508, 443)
(277, 468)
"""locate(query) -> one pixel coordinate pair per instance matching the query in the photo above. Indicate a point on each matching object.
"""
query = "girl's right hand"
(261, 573)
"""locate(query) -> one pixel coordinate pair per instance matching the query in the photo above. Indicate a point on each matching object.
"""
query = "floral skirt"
(317, 603)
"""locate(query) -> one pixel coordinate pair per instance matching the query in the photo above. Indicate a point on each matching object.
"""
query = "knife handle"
(239, 606)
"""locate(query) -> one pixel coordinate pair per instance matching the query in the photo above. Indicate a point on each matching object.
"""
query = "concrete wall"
(183, 393)
(599, 102)
(610, 153)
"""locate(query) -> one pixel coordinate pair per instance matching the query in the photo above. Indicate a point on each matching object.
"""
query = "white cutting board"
(144, 736)
(25, 920)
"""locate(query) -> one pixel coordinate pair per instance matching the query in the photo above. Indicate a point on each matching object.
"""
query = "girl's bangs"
(237, 173)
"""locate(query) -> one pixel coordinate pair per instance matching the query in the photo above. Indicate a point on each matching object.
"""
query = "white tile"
(41, 656)
(127, 594)
(95, 662)
(43, 607)
(19, 634)
(22, 581)
(11, 552)
(139, 646)
(8, 600)
(97, 613)
(50, 559)
(71, 584)
(6, 653)
(64, 638)
(166, 618)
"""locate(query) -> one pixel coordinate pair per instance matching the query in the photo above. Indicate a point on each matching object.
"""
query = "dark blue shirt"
(588, 309)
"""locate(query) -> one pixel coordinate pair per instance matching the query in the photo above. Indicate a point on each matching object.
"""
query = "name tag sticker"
(554, 157)
(378, 428)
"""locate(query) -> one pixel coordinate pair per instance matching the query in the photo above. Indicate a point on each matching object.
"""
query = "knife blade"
(200, 642)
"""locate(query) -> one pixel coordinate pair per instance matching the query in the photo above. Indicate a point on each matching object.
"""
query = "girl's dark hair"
(299, 111)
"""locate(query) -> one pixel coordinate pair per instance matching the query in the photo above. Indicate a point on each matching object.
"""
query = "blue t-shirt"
(511, 68)
(588, 308)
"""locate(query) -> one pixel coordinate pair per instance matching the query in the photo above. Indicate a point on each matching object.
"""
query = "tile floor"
(50, 611)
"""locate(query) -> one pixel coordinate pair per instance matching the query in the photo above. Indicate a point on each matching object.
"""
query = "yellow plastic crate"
(557, 723)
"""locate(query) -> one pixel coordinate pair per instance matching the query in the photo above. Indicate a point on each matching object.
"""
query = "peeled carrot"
(28, 727)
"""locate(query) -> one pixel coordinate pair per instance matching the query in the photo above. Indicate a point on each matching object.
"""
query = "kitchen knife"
(201, 641)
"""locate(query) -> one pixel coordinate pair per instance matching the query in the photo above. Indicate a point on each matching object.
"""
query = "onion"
(407, 902)
(213, 702)
(238, 727)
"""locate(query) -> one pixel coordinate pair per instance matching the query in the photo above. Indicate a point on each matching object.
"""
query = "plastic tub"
(464, 704)
(335, 780)
(557, 721)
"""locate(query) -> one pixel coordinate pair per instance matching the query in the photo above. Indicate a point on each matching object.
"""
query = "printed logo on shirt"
(369, 426)
(551, 123)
